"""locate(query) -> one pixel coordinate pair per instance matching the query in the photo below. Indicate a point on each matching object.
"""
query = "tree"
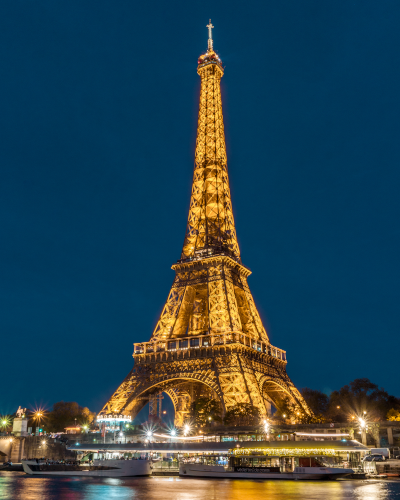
(67, 414)
(316, 400)
(393, 415)
(360, 396)
(206, 410)
(242, 414)
(88, 416)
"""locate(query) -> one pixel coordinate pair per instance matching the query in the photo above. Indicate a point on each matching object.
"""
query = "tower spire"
(211, 227)
(210, 40)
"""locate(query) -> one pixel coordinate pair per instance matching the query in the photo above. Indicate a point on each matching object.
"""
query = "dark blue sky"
(98, 110)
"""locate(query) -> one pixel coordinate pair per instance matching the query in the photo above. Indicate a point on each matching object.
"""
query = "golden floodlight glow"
(283, 452)
(209, 337)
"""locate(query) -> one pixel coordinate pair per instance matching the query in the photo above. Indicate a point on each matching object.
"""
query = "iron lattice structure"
(209, 339)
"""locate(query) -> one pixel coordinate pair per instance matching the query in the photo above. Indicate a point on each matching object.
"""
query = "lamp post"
(266, 429)
(38, 418)
(363, 429)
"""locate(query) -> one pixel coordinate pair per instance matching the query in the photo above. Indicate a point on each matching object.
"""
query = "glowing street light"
(149, 434)
(173, 433)
(186, 429)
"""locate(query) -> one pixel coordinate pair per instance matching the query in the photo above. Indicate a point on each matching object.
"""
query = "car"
(374, 458)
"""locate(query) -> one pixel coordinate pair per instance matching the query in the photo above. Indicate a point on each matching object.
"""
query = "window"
(194, 342)
(183, 344)
(172, 345)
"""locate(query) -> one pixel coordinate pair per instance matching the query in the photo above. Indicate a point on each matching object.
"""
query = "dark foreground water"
(17, 485)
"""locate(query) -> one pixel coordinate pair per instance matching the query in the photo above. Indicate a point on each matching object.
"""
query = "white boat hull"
(300, 473)
(100, 468)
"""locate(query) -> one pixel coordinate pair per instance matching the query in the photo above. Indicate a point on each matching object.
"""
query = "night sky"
(98, 110)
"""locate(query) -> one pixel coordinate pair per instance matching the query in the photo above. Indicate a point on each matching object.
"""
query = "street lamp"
(362, 423)
(38, 416)
(266, 427)
(186, 429)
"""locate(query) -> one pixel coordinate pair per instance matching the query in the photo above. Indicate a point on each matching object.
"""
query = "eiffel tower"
(209, 339)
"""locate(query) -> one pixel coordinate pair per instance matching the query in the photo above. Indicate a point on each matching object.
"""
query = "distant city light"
(321, 434)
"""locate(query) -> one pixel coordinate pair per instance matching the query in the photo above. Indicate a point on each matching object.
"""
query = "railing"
(165, 465)
(197, 342)
(210, 252)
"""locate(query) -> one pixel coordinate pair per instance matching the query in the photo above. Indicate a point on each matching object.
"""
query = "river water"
(17, 485)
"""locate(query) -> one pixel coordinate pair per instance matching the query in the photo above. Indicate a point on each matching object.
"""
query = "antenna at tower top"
(210, 40)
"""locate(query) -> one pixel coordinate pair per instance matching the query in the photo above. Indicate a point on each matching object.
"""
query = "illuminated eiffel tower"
(209, 339)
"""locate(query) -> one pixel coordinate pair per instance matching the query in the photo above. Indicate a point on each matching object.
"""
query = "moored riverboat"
(259, 466)
(95, 468)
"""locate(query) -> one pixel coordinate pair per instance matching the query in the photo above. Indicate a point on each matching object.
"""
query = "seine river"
(17, 485)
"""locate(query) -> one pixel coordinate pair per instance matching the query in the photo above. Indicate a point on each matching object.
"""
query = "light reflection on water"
(15, 486)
